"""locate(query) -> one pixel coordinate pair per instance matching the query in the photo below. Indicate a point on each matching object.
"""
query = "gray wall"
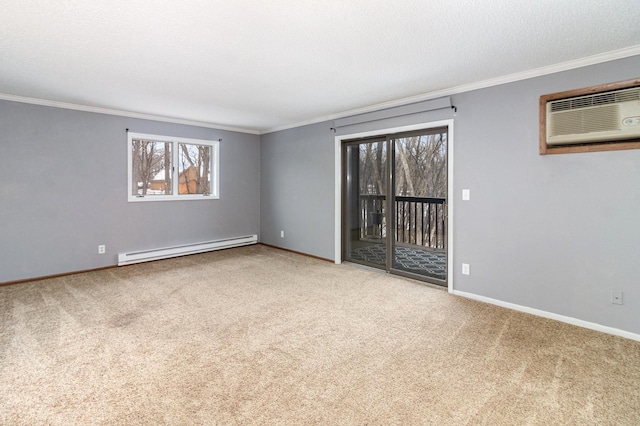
(555, 233)
(297, 189)
(63, 191)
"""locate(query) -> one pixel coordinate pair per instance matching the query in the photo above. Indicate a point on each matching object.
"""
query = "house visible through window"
(167, 168)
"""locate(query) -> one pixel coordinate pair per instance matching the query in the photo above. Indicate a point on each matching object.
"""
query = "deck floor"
(415, 260)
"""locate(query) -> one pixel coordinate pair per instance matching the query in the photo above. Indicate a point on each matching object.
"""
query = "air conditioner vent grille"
(602, 119)
(632, 94)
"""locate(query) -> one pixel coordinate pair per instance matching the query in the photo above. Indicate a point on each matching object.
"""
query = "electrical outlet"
(281, 234)
(466, 194)
(102, 249)
(465, 269)
(616, 297)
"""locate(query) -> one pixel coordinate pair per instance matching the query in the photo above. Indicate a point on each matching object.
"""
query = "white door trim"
(450, 197)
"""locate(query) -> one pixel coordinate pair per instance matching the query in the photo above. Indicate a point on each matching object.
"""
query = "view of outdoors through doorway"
(395, 198)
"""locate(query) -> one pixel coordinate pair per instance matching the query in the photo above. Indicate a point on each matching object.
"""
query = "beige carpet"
(256, 335)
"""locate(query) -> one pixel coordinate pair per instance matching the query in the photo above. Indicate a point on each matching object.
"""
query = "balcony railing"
(418, 221)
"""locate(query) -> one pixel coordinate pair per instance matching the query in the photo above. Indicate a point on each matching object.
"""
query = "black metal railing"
(421, 221)
(418, 220)
(372, 216)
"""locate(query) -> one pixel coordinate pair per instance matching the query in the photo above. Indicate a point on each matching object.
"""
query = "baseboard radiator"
(164, 253)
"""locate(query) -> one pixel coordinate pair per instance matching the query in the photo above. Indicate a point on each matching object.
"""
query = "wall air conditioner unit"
(601, 117)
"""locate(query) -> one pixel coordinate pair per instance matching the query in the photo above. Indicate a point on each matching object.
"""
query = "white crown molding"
(564, 66)
(510, 78)
(122, 113)
(550, 315)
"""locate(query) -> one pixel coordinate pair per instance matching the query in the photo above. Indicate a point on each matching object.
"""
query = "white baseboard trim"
(550, 315)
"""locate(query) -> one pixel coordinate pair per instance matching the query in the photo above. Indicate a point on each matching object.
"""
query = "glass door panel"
(395, 203)
(419, 204)
(366, 194)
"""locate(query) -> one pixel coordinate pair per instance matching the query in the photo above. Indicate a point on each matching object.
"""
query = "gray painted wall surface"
(297, 189)
(63, 191)
(555, 233)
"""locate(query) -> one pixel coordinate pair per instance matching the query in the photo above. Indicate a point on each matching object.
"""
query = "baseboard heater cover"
(165, 253)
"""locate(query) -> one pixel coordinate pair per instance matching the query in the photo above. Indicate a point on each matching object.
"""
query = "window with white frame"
(169, 168)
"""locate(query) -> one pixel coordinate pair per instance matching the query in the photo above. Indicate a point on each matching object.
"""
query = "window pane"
(151, 174)
(194, 166)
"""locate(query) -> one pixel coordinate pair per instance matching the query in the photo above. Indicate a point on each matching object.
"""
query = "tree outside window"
(163, 168)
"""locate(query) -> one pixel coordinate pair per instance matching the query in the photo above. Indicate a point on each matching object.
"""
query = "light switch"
(465, 269)
(466, 194)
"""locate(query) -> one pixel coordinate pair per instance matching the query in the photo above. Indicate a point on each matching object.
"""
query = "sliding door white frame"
(450, 198)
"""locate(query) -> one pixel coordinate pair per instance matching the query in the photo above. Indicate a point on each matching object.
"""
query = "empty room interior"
(309, 212)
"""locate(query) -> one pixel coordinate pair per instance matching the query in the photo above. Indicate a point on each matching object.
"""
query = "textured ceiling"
(261, 65)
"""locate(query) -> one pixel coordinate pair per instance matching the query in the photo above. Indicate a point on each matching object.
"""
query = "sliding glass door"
(395, 205)
(419, 202)
(366, 206)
